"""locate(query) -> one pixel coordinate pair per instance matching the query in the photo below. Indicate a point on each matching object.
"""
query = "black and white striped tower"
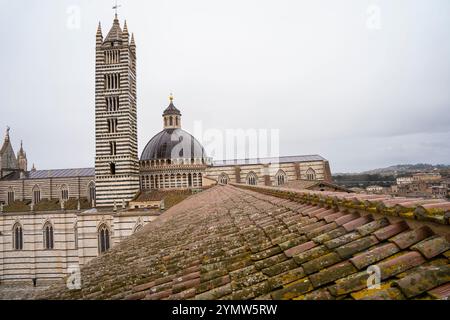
(116, 154)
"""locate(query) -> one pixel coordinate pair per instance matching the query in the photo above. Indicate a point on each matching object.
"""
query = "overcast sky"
(365, 84)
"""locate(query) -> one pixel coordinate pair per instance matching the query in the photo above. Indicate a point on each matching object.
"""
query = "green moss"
(18, 206)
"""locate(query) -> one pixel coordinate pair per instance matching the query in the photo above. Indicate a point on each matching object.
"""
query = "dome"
(173, 144)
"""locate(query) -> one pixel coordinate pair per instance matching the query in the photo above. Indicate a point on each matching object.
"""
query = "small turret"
(8, 160)
(172, 116)
(132, 44)
(125, 34)
(22, 158)
(99, 36)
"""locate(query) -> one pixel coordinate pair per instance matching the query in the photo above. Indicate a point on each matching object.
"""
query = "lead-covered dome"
(173, 144)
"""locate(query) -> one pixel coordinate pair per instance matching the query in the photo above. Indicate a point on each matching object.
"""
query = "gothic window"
(112, 56)
(223, 178)
(64, 193)
(48, 236)
(310, 174)
(176, 121)
(17, 239)
(112, 168)
(280, 178)
(113, 148)
(165, 122)
(252, 179)
(171, 121)
(112, 125)
(112, 104)
(11, 195)
(36, 195)
(112, 81)
(75, 235)
(91, 192)
(103, 238)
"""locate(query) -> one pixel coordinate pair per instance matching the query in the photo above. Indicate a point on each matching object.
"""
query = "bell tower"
(116, 154)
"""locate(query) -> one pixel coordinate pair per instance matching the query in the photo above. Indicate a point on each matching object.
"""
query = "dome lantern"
(172, 116)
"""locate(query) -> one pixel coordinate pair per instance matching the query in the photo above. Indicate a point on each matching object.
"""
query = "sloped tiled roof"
(242, 242)
(171, 109)
(282, 159)
(115, 34)
(53, 173)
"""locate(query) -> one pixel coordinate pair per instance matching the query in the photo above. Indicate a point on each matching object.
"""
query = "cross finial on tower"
(115, 7)
(171, 97)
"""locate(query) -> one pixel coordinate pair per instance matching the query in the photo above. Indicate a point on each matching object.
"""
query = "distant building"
(404, 180)
(425, 176)
(375, 189)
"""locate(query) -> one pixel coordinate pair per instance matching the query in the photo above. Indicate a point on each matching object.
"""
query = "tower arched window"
(75, 235)
(48, 236)
(17, 237)
(103, 238)
(252, 179)
(280, 178)
(36, 194)
(64, 193)
(11, 195)
(310, 174)
(112, 168)
(171, 121)
(91, 192)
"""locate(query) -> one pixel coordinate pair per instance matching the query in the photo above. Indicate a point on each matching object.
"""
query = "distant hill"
(402, 169)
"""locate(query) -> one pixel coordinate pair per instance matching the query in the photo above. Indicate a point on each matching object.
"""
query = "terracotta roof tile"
(409, 238)
(348, 250)
(376, 254)
(354, 224)
(346, 219)
(300, 248)
(335, 233)
(351, 283)
(372, 226)
(391, 230)
(293, 290)
(310, 254)
(340, 241)
(441, 292)
(425, 278)
(319, 294)
(386, 294)
(400, 263)
(432, 246)
(286, 277)
(333, 273)
(321, 262)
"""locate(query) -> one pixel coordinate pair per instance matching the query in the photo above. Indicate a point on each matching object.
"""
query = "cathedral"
(52, 220)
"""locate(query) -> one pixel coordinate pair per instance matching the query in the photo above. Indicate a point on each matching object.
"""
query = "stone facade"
(75, 237)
